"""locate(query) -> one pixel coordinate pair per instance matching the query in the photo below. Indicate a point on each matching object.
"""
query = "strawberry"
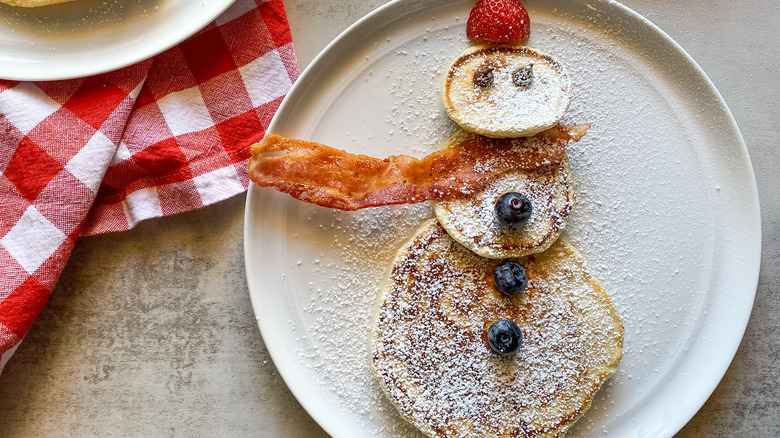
(498, 21)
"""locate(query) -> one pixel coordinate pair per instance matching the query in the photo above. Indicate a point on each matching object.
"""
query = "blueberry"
(513, 209)
(510, 277)
(523, 76)
(483, 77)
(504, 336)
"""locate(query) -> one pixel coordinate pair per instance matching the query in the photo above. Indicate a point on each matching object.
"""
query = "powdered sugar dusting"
(342, 306)
(72, 20)
(430, 353)
(643, 217)
(472, 221)
(505, 109)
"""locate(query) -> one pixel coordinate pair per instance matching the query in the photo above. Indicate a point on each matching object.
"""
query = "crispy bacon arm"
(322, 175)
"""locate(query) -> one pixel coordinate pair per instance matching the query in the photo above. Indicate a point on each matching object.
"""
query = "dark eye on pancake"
(523, 76)
(483, 77)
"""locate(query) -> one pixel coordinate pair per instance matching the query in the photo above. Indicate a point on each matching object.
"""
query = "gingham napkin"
(99, 154)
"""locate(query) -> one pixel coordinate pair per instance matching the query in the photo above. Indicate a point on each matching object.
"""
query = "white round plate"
(667, 211)
(87, 37)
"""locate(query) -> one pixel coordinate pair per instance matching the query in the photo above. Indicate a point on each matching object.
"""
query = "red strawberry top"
(498, 21)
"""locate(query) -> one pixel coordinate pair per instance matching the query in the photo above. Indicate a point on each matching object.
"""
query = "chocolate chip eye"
(483, 77)
(523, 76)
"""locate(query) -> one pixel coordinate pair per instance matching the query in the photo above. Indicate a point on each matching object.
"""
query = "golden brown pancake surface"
(472, 220)
(498, 107)
(431, 358)
(33, 3)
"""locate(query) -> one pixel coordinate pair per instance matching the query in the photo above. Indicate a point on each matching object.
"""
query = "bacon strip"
(319, 174)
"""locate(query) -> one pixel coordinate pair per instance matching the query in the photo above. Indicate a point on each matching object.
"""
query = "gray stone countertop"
(150, 332)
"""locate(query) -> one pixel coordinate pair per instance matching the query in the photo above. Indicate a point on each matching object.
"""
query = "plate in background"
(87, 37)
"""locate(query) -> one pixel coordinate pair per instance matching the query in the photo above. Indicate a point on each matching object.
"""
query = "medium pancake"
(505, 109)
(472, 222)
(432, 361)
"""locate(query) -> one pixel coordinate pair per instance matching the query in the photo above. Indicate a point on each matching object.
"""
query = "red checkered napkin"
(99, 154)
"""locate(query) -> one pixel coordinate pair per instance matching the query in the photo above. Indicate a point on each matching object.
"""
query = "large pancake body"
(505, 109)
(431, 358)
(472, 221)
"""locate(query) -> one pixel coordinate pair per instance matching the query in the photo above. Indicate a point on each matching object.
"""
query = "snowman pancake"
(505, 91)
(490, 324)
(432, 359)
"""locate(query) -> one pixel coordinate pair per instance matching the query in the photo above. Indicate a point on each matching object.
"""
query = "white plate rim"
(156, 40)
(671, 424)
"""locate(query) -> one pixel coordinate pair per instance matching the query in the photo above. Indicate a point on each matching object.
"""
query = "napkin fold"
(99, 154)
